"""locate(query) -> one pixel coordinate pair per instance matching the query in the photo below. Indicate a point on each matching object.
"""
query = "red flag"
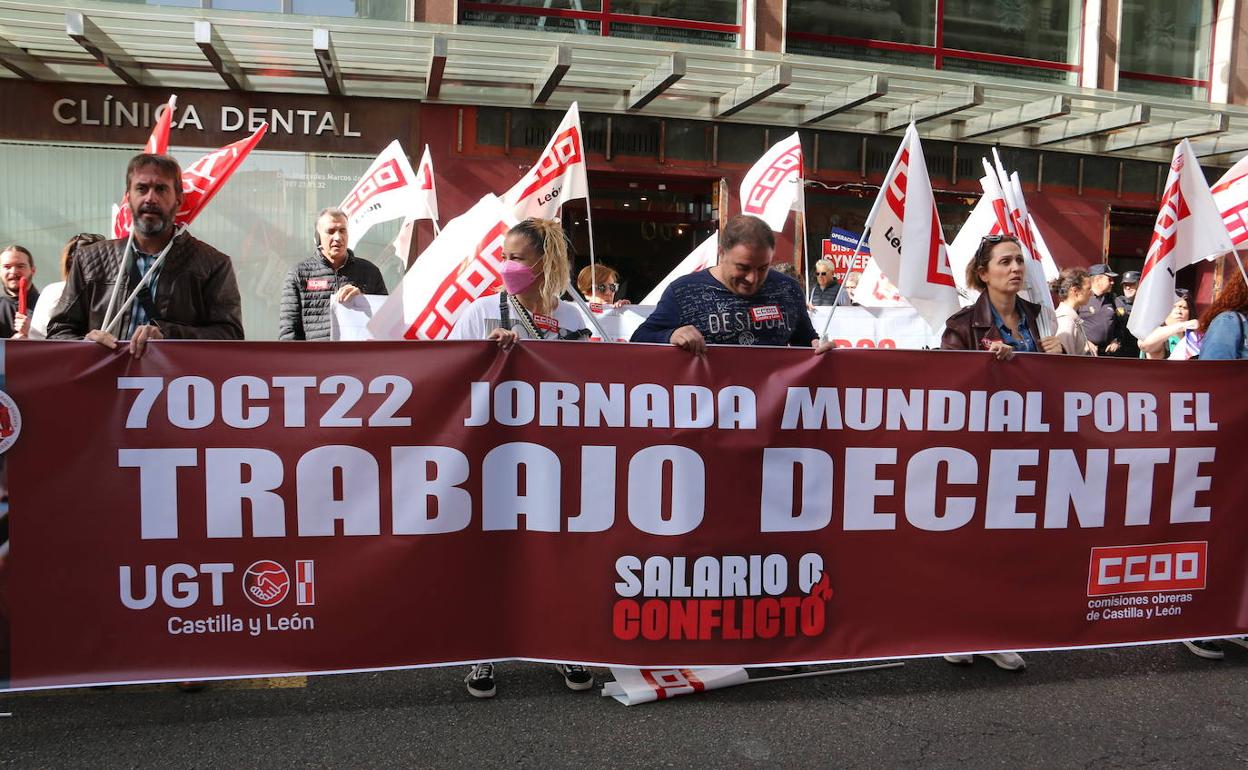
(157, 144)
(203, 178)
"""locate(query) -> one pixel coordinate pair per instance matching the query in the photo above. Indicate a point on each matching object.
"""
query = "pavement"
(1123, 707)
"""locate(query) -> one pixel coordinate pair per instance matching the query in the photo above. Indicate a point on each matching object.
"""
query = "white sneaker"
(1010, 661)
(960, 660)
(1242, 641)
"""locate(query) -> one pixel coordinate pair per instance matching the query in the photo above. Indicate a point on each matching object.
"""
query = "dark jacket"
(309, 287)
(8, 309)
(1098, 321)
(820, 297)
(196, 293)
(968, 328)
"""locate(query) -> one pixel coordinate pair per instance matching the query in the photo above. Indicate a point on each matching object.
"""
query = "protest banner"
(248, 509)
(838, 248)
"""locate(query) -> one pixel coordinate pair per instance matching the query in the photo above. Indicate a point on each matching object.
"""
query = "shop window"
(1139, 177)
(741, 144)
(839, 152)
(1008, 38)
(1061, 169)
(709, 22)
(1165, 48)
(262, 217)
(688, 140)
(635, 136)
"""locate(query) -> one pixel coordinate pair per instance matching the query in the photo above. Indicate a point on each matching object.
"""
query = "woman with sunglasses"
(599, 284)
(51, 293)
(1002, 323)
(999, 322)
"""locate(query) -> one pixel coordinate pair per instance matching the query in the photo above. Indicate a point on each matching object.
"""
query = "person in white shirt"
(535, 274)
(51, 293)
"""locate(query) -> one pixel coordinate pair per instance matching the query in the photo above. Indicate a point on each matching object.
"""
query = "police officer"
(1098, 314)
(1130, 346)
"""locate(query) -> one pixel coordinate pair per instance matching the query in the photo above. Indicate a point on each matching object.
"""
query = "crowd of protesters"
(162, 283)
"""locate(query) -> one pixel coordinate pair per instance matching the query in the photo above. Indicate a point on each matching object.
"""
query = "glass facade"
(1009, 38)
(262, 217)
(1165, 48)
(704, 22)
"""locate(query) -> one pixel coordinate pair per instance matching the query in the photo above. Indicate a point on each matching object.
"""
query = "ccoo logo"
(266, 583)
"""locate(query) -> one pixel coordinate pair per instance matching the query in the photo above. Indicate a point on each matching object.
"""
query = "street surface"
(1125, 707)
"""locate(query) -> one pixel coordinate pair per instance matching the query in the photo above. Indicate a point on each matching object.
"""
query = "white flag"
(1230, 195)
(706, 255)
(557, 177)
(646, 685)
(984, 220)
(461, 264)
(1030, 232)
(773, 186)
(906, 240)
(874, 290)
(426, 207)
(388, 190)
(1188, 229)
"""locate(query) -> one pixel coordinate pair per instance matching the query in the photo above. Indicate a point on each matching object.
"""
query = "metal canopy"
(173, 48)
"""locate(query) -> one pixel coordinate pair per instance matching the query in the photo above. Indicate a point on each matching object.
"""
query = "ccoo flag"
(773, 186)
(389, 189)
(157, 144)
(906, 239)
(1230, 194)
(1189, 228)
(557, 176)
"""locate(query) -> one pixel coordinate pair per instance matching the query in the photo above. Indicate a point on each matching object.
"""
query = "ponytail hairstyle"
(547, 238)
(1070, 278)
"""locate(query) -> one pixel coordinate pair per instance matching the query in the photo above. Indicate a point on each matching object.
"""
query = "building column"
(769, 25)
(434, 11)
(1237, 87)
(1109, 41)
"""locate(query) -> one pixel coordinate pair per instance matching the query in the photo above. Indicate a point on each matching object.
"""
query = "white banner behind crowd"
(852, 327)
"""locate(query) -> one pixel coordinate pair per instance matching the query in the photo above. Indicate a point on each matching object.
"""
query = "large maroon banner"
(232, 509)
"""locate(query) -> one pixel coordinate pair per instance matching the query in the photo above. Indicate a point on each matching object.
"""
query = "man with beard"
(16, 263)
(333, 272)
(192, 294)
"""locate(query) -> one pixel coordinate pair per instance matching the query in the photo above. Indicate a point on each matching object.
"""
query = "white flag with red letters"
(1230, 195)
(1189, 228)
(773, 186)
(558, 176)
(646, 685)
(389, 189)
(906, 240)
(987, 218)
(461, 264)
(705, 256)
(157, 144)
(426, 207)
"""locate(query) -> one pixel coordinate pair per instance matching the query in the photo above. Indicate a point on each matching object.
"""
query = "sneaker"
(1010, 661)
(575, 677)
(480, 681)
(960, 660)
(1205, 648)
(1242, 641)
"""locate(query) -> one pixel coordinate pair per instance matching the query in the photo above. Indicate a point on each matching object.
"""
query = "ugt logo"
(267, 583)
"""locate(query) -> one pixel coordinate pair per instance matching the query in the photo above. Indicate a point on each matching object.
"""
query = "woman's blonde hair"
(548, 240)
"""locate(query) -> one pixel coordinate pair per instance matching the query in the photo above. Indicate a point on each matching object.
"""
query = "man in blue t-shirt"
(736, 302)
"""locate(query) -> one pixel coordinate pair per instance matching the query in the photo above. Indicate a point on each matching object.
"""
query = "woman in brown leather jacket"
(1000, 321)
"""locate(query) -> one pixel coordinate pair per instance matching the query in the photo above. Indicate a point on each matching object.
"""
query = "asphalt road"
(1124, 707)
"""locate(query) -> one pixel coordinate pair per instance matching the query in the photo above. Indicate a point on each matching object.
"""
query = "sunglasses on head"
(999, 237)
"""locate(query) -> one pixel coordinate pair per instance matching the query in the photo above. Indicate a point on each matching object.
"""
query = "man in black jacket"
(334, 272)
(191, 294)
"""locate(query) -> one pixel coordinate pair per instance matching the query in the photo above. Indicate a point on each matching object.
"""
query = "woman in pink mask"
(535, 274)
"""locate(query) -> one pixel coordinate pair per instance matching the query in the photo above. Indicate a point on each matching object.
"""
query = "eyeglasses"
(605, 287)
(825, 272)
(998, 237)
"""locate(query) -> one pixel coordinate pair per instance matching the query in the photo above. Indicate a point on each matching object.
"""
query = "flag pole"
(121, 271)
(800, 230)
(147, 278)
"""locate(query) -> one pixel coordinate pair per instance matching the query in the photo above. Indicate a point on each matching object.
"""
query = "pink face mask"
(517, 276)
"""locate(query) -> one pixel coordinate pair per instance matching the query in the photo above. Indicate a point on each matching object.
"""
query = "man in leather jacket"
(193, 294)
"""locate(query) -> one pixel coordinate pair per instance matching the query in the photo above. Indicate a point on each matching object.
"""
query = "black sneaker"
(1205, 648)
(480, 681)
(575, 677)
